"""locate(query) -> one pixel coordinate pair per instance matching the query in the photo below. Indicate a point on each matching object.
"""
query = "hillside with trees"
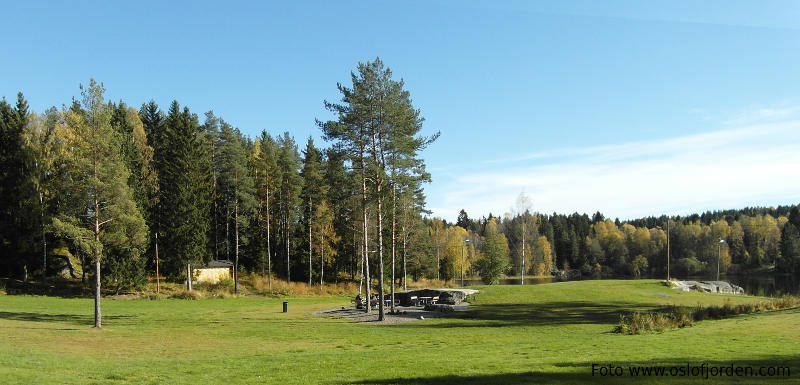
(99, 190)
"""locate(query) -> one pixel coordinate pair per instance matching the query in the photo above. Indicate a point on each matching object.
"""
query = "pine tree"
(104, 219)
(266, 179)
(377, 126)
(236, 186)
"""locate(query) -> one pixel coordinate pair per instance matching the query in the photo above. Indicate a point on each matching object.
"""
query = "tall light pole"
(522, 281)
(719, 254)
(462, 261)
(667, 248)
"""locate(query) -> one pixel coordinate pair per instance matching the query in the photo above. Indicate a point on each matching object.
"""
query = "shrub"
(225, 283)
(679, 317)
(194, 294)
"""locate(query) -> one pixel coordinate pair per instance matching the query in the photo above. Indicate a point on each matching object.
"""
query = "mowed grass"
(512, 334)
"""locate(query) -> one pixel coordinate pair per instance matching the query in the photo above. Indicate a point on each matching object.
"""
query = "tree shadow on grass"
(541, 314)
(76, 319)
(582, 372)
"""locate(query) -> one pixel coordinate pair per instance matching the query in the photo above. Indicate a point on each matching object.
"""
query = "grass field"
(512, 334)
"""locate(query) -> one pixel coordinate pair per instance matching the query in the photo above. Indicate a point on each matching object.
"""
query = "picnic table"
(360, 304)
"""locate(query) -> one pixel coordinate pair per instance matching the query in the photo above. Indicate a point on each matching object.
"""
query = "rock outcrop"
(705, 286)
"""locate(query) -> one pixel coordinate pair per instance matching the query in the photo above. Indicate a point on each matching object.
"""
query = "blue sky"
(632, 108)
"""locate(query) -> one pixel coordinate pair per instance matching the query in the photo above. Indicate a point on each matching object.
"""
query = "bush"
(639, 266)
(194, 294)
(679, 317)
(225, 283)
(690, 265)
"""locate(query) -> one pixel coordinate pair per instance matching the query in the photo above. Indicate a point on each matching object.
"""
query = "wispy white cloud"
(748, 165)
(783, 112)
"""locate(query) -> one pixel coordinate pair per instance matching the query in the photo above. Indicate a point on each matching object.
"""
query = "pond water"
(764, 285)
(761, 285)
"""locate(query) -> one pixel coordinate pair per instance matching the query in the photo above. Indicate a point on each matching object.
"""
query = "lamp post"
(719, 254)
(462, 261)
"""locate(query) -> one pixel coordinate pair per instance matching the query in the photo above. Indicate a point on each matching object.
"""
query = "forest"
(102, 190)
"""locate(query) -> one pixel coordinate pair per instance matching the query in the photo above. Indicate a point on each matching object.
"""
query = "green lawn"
(512, 334)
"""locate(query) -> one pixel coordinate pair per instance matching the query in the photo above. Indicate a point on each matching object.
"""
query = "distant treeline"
(749, 239)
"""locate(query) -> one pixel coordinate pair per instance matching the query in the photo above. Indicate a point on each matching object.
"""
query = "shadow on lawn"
(783, 367)
(541, 314)
(69, 318)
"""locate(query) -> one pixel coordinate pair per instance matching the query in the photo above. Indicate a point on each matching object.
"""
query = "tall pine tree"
(104, 219)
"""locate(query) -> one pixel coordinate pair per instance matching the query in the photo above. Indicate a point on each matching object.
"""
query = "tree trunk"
(366, 238)
(44, 244)
(227, 232)
(405, 276)
(309, 241)
(394, 239)
(438, 265)
(97, 314)
(288, 270)
(216, 222)
(380, 250)
(360, 267)
(236, 263)
(269, 252)
(321, 259)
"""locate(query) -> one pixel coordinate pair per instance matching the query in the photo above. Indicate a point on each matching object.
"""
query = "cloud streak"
(750, 165)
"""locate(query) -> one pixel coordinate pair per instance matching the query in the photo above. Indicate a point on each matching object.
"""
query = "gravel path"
(405, 314)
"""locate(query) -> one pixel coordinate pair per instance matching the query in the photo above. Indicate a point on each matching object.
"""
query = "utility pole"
(462, 262)
(668, 248)
(523, 249)
(719, 254)
(158, 279)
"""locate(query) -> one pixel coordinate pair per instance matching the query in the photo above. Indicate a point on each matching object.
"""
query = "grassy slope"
(513, 334)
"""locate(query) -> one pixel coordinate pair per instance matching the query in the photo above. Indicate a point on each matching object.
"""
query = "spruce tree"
(184, 182)
(311, 195)
(289, 187)
(14, 175)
